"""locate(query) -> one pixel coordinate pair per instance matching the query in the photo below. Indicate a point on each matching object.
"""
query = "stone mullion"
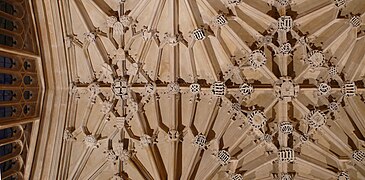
(214, 8)
(111, 38)
(11, 103)
(16, 121)
(23, 53)
(11, 72)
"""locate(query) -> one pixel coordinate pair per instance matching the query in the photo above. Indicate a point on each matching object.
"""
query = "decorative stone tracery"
(198, 34)
(332, 71)
(195, 88)
(236, 177)
(221, 20)
(349, 89)
(146, 140)
(285, 48)
(286, 89)
(284, 2)
(333, 106)
(343, 176)
(256, 119)
(324, 89)
(234, 2)
(285, 176)
(316, 59)
(355, 21)
(110, 155)
(120, 89)
(286, 127)
(223, 157)
(173, 135)
(218, 89)
(173, 88)
(304, 138)
(257, 59)
(316, 119)
(91, 141)
(358, 156)
(286, 155)
(150, 88)
(340, 3)
(285, 23)
(133, 55)
(200, 141)
(246, 89)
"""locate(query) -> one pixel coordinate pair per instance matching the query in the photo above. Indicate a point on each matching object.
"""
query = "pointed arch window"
(6, 111)
(6, 95)
(7, 8)
(7, 40)
(7, 165)
(6, 133)
(7, 24)
(6, 62)
(6, 78)
(6, 149)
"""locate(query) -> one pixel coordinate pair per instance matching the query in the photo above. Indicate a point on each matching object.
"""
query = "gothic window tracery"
(19, 85)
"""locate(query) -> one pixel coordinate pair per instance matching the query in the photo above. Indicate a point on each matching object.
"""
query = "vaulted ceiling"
(214, 89)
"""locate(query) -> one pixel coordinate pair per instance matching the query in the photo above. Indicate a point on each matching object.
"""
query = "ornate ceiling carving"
(212, 89)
